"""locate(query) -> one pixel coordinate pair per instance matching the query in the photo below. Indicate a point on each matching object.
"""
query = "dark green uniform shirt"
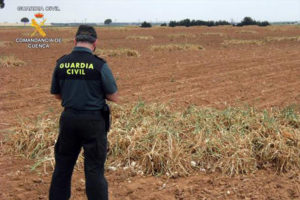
(83, 80)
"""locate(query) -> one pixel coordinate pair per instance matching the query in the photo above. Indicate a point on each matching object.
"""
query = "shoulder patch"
(61, 57)
(100, 58)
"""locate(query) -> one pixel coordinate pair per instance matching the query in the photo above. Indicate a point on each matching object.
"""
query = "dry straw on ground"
(119, 28)
(10, 61)
(68, 40)
(176, 47)
(213, 34)
(248, 31)
(181, 35)
(279, 39)
(140, 37)
(26, 34)
(262, 41)
(278, 28)
(5, 43)
(117, 52)
(242, 42)
(153, 139)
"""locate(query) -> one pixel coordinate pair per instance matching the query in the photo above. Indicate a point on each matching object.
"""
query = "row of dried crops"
(10, 61)
(153, 139)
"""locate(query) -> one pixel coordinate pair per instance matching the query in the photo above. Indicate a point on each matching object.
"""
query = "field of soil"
(235, 66)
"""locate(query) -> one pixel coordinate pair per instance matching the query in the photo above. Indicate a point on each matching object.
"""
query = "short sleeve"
(55, 83)
(108, 80)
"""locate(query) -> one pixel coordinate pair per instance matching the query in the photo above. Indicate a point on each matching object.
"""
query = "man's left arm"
(55, 88)
(109, 84)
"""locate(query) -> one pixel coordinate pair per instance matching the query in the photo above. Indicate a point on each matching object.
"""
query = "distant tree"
(249, 21)
(211, 23)
(107, 21)
(172, 23)
(185, 22)
(146, 25)
(222, 23)
(2, 4)
(25, 20)
(264, 23)
(163, 24)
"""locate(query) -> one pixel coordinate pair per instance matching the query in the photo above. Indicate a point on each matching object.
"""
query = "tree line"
(187, 22)
(245, 22)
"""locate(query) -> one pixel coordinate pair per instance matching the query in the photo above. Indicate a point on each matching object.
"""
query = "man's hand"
(113, 97)
(57, 96)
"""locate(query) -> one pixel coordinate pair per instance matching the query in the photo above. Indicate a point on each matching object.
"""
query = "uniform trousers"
(80, 129)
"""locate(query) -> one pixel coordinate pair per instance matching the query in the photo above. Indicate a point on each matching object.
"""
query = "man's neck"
(85, 45)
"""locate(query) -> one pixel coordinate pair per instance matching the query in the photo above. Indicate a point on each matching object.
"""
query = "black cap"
(86, 33)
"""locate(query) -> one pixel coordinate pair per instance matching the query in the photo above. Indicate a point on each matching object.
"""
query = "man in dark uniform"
(83, 82)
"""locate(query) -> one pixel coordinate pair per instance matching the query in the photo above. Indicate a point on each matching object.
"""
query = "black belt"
(102, 113)
(83, 111)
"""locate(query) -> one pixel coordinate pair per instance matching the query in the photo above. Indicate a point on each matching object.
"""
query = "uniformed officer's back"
(83, 82)
(80, 65)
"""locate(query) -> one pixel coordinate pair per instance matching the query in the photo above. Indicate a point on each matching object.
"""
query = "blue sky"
(155, 10)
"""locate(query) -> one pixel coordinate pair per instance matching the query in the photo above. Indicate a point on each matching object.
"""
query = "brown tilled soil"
(263, 75)
(17, 182)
